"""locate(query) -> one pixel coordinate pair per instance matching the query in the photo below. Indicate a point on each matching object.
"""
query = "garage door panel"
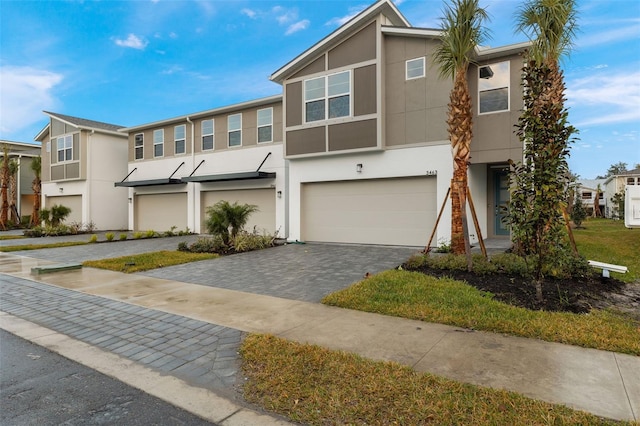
(74, 202)
(377, 211)
(262, 220)
(159, 212)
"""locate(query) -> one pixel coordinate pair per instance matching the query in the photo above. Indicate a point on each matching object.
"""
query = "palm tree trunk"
(460, 123)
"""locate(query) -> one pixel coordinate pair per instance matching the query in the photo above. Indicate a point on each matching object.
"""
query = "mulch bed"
(570, 295)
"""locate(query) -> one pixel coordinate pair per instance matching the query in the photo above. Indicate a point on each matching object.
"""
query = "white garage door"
(265, 198)
(159, 212)
(74, 202)
(376, 211)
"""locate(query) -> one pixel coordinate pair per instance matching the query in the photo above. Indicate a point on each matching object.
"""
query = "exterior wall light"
(359, 167)
(279, 193)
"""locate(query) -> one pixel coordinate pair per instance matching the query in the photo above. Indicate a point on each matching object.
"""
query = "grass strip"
(316, 386)
(608, 241)
(147, 261)
(441, 300)
(11, 237)
(41, 246)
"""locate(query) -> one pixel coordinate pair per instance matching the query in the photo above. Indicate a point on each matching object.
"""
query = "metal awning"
(224, 177)
(150, 182)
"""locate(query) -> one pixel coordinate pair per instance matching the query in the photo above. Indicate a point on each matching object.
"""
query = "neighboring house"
(180, 166)
(615, 185)
(359, 149)
(22, 153)
(586, 189)
(80, 161)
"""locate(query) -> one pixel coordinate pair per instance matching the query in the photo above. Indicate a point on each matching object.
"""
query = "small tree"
(58, 214)
(36, 167)
(4, 208)
(618, 202)
(14, 166)
(578, 213)
(226, 220)
(596, 203)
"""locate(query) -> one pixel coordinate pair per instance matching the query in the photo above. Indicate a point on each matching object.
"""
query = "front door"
(501, 197)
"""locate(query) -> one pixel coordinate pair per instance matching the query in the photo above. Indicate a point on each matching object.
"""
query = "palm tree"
(36, 167)
(227, 219)
(14, 166)
(3, 191)
(462, 31)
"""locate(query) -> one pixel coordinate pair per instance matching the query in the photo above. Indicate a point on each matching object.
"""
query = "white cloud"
(26, 91)
(248, 12)
(615, 35)
(605, 98)
(298, 26)
(284, 16)
(132, 41)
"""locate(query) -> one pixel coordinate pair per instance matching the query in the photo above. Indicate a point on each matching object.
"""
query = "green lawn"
(609, 241)
(317, 386)
(41, 246)
(147, 261)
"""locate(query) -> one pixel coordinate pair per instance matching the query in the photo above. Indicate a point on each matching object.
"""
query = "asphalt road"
(39, 387)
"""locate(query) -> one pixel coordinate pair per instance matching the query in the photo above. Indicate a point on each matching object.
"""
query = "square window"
(64, 147)
(415, 68)
(328, 97)
(493, 87)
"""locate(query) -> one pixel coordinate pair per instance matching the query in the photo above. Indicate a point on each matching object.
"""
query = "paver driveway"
(306, 272)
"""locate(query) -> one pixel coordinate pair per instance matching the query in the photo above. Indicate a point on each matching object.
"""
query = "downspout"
(89, 183)
(193, 163)
(19, 187)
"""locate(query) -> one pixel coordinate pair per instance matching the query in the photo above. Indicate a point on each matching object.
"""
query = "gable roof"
(385, 7)
(83, 123)
(629, 173)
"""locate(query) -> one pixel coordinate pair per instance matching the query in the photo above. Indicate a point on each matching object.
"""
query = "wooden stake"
(427, 249)
(569, 231)
(476, 224)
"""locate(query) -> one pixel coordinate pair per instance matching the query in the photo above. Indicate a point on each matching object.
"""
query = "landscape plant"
(36, 167)
(539, 183)
(109, 236)
(578, 213)
(227, 220)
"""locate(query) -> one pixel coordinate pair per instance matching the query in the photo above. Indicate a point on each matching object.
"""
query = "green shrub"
(137, 235)
(510, 263)
(183, 246)
(171, 232)
(245, 241)
(151, 234)
(109, 236)
(25, 220)
(75, 227)
(213, 244)
(93, 238)
(416, 261)
(123, 236)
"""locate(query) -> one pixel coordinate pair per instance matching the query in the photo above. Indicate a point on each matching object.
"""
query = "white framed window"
(234, 129)
(180, 138)
(327, 97)
(207, 134)
(414, 68)
(265, 125)
(493, 87)
(64, 145)
(158, 143)
(138, 146)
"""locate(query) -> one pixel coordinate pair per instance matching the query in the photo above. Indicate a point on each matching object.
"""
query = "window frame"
(508, 87)
(262, 126)
(65, 150)
(183, 139)
(212, 134)
(237, 130)
(158, 142)
(326, 97)
(423, 68)
(140, 146)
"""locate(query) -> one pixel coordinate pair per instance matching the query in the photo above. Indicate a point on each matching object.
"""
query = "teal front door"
(501, 197)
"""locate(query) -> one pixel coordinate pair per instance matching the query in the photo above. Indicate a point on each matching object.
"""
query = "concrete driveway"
(305, 272)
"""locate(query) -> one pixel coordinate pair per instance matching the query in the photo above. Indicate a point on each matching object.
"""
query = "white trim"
(411, 32)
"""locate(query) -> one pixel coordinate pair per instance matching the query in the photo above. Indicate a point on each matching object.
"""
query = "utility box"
(632, 206)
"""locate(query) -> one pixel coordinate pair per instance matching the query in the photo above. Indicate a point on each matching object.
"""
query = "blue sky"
(134, 62)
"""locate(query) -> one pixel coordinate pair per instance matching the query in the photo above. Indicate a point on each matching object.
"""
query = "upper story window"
(158, 143)
(493, 87)
(65, 148)
(265, 125)
(630, 180)
(415, 68)
(327, 97)
(179, 136)
(138, 146)
(207, 134)
(234, 127)
(586, 195)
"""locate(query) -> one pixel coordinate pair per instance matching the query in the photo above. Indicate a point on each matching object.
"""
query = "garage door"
(74, 202)
(265, 199)
(376, 211)
(159, 212)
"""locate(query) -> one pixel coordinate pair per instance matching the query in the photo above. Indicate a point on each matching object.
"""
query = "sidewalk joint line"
(624, 386)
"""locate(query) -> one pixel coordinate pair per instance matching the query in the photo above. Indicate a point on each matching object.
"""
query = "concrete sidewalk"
(604, 383)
